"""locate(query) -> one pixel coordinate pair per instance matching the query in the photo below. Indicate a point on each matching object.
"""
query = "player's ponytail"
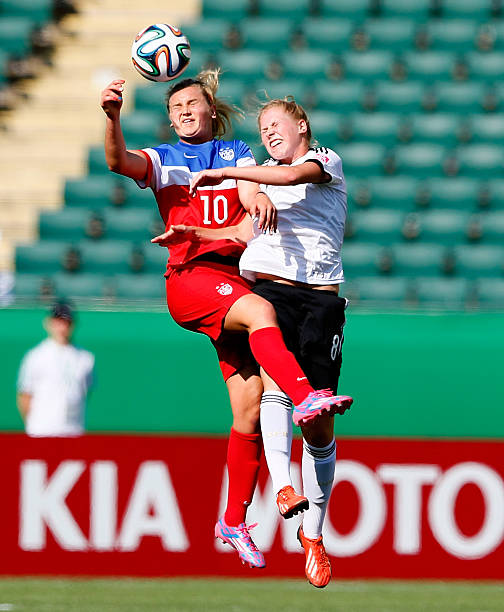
(208, 80)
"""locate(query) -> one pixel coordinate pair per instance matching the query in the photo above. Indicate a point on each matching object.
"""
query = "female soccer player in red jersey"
(299, 270)
(205, 292)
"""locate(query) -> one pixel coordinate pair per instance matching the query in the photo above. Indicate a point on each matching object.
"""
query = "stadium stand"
(409, 92)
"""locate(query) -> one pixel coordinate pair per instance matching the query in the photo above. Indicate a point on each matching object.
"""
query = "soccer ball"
(160, 52)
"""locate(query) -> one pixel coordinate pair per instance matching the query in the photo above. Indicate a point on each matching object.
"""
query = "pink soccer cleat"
(320, 402)
(239, 538)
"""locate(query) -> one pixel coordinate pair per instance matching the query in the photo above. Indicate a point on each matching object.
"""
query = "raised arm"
(307, 172)
(119, 159)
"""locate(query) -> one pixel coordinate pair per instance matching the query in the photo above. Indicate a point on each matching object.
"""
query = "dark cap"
(62, 310)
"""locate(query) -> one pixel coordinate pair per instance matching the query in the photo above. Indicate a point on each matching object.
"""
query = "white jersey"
(311, 224)
(58, 377)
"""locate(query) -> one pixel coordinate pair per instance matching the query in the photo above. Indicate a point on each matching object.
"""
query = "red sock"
(268, 347)
(244, 453)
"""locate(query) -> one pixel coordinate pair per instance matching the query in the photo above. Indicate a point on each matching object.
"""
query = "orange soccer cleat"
(318, 566)
(290, 503)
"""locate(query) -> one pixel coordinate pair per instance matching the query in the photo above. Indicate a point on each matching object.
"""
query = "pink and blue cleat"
(320, 402)
(239, 538)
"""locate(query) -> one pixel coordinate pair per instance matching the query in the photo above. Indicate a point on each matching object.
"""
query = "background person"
(54, 380)
(205, 292)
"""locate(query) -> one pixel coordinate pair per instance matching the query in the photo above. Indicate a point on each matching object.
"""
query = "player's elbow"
(292, 177)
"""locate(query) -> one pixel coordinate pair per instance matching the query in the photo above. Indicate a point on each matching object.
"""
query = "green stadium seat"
(223, 9)
(272, 34)
(141, 128)
(367, 65)
(139, 286)
(458, 193)
(90, 191)
(43, 257)
(232, 91)
(382, 291)
(481, 160)
(340, 97)
(308, 65)
(362, 159)
(296, 9)
(15, 33)
(414, 9)
(479, 261)
(375, 127)
(325, 127)
(421, 160)
(29, 285)
(487, 129)
(151, 98)
(446, 227)
(417, 259)
(496, 189)
(96, 161)
(490, 292)
(430, 66)
(481, 10)
(378, 225)
(65, 224)
(493, 227)
(438, 128)
(486, 67)
(392, 34)
(332, 34)
(445, 293)
(399, 97)
(38, 10)
(207, 34)
(356, 10)
(360, 258)
(266, 89)
(200, 60)
(247, 64)
(460, 97)
(155, 259)
(128, 224)
(457, 35)
(139, 198)
(78, 285)
(397, 192)
(105, 256)
(247, 130)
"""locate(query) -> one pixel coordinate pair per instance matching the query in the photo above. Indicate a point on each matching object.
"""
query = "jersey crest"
(227, 154)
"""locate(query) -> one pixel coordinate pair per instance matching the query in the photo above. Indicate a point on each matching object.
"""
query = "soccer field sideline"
(219, 594)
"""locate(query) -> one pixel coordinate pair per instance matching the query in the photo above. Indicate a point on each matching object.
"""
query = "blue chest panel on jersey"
(212, 154)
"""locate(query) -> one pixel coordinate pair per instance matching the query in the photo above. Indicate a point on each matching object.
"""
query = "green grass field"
(227, 595)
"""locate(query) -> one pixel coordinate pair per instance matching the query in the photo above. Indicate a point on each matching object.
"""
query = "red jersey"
(170, 169)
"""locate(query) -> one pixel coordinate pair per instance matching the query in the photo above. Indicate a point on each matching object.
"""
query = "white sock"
(276, 428)
(318, 466)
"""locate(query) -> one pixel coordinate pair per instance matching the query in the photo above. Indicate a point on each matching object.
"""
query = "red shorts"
(199, 296)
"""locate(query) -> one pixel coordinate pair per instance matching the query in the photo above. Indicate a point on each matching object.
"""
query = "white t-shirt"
(311, 224)
(58, 377)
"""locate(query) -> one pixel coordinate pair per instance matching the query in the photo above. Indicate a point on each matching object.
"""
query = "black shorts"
(312, 324)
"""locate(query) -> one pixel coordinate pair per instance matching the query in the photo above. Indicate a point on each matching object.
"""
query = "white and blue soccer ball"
(160, 52)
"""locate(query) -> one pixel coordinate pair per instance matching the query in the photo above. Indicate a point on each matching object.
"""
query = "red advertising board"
(146, 506)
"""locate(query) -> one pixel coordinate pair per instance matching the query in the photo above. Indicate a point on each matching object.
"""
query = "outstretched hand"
(175, 235)
(112, 98)
(265, 212)
(205, 178)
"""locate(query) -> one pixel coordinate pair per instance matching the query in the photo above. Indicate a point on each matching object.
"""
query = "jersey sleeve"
(153, 169)
(244, 156)
(329, 161)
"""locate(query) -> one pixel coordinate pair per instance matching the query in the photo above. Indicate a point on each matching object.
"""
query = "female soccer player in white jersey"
(299, 270)
(205, 292)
